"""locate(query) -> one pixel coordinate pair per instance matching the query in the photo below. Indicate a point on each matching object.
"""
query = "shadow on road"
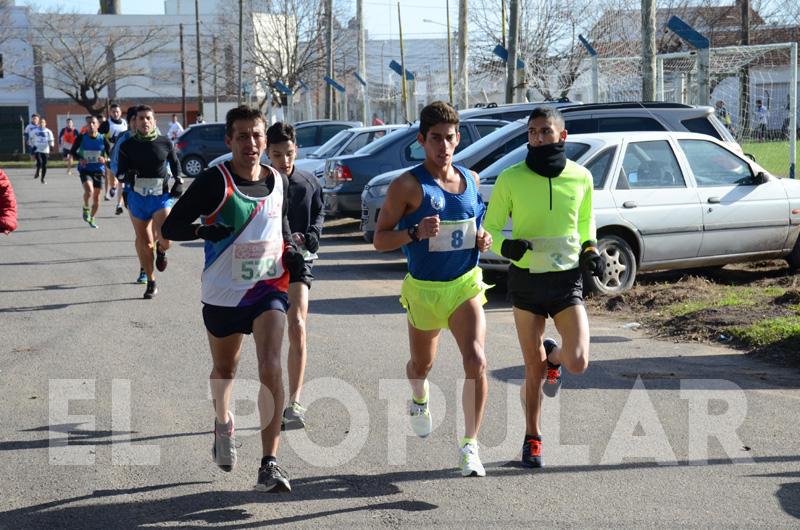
(51, 307)
(67, 261)
(360, 305)
(77, 436)
(60, 287)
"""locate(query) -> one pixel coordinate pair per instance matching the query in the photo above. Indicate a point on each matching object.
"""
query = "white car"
(673, 200)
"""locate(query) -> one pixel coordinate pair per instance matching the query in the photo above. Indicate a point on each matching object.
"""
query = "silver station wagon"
(673, 200)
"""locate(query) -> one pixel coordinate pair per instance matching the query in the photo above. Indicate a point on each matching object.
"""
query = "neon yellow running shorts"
(429, 304)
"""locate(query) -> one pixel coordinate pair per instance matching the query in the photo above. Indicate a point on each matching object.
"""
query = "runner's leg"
(468, 325)
(268, 335)
(423, 345)
(530, 333)
(573, 326)
(297, 315)
(225, 353)
(144, 245)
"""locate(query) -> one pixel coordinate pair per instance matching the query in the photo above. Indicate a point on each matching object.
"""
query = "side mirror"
(760, 178)
(750, 156)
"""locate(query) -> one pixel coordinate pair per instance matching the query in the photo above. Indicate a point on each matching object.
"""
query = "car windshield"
(378, 144)
(574, 151)
(492, 138)
(329, 148)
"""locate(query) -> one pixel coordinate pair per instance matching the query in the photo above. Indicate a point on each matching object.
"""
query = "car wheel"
(193, 166)
(794, 257)
(620, 267)
(369, 236)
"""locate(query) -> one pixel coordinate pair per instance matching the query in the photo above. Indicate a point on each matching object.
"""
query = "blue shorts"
(224, 321)
(144, 206)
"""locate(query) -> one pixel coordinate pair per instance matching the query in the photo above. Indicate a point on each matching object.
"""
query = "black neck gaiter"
(547, 160)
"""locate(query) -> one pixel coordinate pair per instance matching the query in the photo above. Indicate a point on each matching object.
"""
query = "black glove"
(293, 261)
(514, 249)
(177, 189)
(590, 260)
(312, 242)
(214, 233)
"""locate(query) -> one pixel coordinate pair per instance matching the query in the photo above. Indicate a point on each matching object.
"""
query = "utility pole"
(649, 50)
(199, 61)
(216, 89)
(503, 22)
(239, 84)
(463, 71)
(362, 61)
(329, 57)
(402, 66)
(183, 78)
(449, 57)
(744, 73)
(511, 62)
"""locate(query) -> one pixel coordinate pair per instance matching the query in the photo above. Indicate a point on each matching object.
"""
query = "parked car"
(345, 176)
(511, 111)
(312, 134)
(200, 143)
(673, 200)
(476, 157)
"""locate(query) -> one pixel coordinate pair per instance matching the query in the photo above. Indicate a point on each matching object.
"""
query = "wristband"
(413, 233)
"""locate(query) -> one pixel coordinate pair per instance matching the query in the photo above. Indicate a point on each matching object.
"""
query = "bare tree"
(76, 56)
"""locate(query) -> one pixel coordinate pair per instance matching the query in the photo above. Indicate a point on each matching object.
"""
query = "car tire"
(620, 267)
(793, 259)
(192, 166)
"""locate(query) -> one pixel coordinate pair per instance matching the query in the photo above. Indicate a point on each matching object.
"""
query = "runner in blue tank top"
(438, 211)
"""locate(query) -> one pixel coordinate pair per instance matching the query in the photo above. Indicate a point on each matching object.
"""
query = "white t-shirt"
(761, 114)
(175, 130)
(43, 139)
(29, 132)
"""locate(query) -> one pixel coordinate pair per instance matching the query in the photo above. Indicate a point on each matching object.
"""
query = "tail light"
(342, 173)
(181, 145)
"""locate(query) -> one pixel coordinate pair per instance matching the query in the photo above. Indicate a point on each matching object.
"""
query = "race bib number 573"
(257, 260)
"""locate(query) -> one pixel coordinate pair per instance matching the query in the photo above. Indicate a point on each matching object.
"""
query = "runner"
(143, 167)
(66, 139)
(113, 129)
(43, 140)
(244, 215)
(306, 217)
(28, 133)
(439, 212)
(553, 242)
(91, 151)
(175, 129)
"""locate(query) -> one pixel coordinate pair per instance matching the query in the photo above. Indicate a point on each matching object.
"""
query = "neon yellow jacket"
(554, 214)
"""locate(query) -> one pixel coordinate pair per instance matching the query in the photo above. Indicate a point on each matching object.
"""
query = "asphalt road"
(654, 434)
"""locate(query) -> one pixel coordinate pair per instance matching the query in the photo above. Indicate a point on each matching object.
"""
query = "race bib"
(148, 186)
(92, 157)
(67, 146)
(257, 260)
(554, 253)
(454, 235)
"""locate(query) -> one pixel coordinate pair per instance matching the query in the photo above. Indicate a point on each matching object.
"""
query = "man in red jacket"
(8, 205)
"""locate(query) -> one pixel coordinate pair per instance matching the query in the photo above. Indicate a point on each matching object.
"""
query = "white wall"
(14, 90)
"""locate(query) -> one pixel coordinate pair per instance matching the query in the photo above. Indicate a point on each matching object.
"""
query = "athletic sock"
(465, 441)
(267, 459)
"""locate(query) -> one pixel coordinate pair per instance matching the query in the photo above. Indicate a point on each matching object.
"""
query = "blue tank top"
(91, 150)
(454, 252)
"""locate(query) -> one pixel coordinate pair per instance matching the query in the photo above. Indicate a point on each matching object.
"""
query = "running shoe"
(118, 210)
(106, 197)
(294, 417)
(69, 172)
(161, 258)
(470, 461)
(272, 478)
(86, 214)
(92, 222)
(532, 452)
(224, 449)
(142, 277)
(420, 416)
(151, 290)
(552, 380)
(112, 192)
(44, 181)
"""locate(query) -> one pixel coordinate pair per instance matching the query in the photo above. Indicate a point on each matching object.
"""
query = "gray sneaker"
(224, 449)
(294, 417)
(273, 479)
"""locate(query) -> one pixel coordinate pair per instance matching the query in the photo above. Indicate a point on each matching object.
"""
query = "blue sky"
(379, 25)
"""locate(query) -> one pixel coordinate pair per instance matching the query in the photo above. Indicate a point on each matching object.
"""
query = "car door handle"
(713, 200)
(629, 204)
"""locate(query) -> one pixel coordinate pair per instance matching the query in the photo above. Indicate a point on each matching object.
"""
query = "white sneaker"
(470, 461)
(420, 416)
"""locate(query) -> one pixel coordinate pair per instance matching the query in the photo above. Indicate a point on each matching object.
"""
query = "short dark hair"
(435, 113)
(114, 105)
(242, 112)
(89, 117)
(547, 112)
(131, 112)
(35, 115)
(144, 108)
(280, 132)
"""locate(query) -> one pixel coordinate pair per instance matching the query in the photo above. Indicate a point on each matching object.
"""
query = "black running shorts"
(546, 293)
(306, 277)
(223, 321)
(97, 178)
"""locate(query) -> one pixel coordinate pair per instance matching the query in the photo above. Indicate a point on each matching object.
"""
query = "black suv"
(200, 144)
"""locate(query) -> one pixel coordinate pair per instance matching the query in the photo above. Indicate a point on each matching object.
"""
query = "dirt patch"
(713, 306)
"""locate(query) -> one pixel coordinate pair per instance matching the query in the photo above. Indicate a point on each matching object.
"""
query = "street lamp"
(449, 54)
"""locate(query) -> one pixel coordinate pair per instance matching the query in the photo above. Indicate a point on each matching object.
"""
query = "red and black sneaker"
(532, 451)
(552, 378)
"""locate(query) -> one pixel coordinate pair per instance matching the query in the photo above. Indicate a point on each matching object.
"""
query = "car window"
(600, 165)
(306, 137)
(214, 133)
(583, 126)
(573, 150)
(378, 144)
(415, 152)
(484, 129)
(329, 131)
(356, 143)
(701, 126)
(465, 139)
(515, 115)
(650, 165)
(713, 165)
(500, 151)
(329, 148)
(630, 123)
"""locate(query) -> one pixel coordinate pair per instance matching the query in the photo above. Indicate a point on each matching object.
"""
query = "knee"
(269, 369)
(224, 372)
(297, 328)
(420, 369)
(475, 364)
(578, 362)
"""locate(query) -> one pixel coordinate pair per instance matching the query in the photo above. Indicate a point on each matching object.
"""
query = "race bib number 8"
(254, 261)
(454, 235)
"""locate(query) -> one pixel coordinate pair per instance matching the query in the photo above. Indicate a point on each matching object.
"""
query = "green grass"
(768, 331)
(726, 297)
(22, 164)
(772, 156)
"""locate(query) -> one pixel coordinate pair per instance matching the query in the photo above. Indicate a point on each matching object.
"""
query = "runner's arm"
(174, 163)
(497, 213)
(286, 229)
(202, 198)
(401, 194)
(317, 209)
(586, 224)
(75, 147)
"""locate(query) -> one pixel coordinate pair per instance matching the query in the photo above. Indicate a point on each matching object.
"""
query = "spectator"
(723, 114)
(8, 205)
(376, 120)
(175, 129)
(761, 121)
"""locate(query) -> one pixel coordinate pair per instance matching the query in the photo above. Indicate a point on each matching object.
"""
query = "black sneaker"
(532, 452)
(272, 478)
(224, 449)
(118, 211)
(552, 381)
(161, 258)
(151, 291)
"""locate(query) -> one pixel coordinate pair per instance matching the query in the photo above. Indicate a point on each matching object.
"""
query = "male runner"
(91, 151)
(43, 140)
(306, 216)
(249, 258)
(142, 166)
(66, 139)
(175, 129)
(113, 129)
(439, 212)
(28, 133)
(553, 242)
